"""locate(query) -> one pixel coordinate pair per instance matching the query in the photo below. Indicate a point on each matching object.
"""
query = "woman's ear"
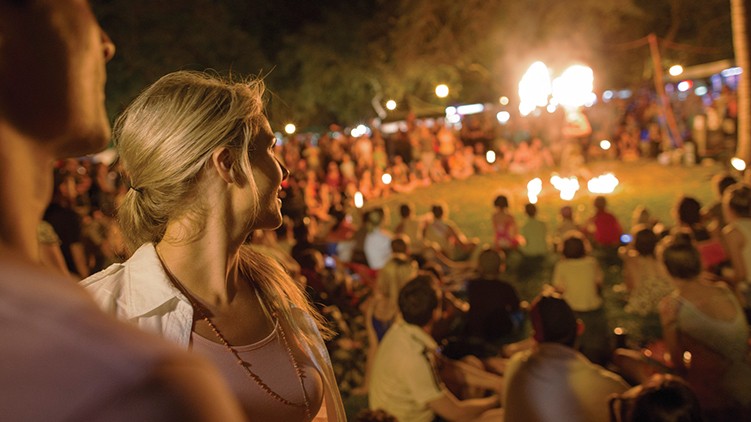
(222, 161)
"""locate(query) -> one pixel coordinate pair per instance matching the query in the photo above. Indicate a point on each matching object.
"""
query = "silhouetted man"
(60, 358)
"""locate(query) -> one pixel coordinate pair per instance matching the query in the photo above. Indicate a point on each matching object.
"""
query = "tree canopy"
(327, 61)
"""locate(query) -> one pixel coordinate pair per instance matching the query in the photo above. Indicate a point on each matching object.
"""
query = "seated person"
(404, 381)
(494, 312)
(662, 398)
(447, 235)
(552, 381)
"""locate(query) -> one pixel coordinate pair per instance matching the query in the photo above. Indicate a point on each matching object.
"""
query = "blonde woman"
(199, 154)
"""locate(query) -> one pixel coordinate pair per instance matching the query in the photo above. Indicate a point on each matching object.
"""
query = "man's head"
(400, 244)
(490, 262)
(600, 203)
(553, 320)
(52, 74)
(419, 300)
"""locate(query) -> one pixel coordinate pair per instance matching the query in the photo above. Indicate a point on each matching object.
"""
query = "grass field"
(645, 183)
(641, 183)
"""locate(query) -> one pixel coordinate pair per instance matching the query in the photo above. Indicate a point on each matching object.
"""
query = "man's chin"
(92, 141)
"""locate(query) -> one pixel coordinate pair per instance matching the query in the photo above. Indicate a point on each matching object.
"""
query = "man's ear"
(222, 161)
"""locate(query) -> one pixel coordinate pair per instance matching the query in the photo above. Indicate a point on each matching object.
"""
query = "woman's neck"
(205, 266)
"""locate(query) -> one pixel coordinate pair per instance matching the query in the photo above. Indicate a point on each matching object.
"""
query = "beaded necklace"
(200, 310)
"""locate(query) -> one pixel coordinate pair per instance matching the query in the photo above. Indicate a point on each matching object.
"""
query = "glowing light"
(503, 117)
(534, 88)
(618, 331)
(701, 90)
(684, 86)
(290, 128)
(442, 91)
(551, 108)
(391, 105)
(526, 108)
(534, 187)
(450, 111)
(470, 109)
(358, 131)
(567, 186)
(607, 95)
(738, 163)
(359, 201)
(675, 70)
(454, 118)
(605, 183)
(490, 157)
(574, 87)
(687, 359)
(733, 71)
(503, 100)
(386, 179)
(605, 144)
(626, 238)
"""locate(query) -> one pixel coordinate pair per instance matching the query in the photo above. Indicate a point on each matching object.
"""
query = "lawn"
(647, 183)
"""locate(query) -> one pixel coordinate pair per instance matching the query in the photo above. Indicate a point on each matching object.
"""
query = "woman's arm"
(734, 241)
(668, 308)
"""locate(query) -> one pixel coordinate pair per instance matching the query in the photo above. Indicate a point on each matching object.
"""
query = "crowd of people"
(273, 301)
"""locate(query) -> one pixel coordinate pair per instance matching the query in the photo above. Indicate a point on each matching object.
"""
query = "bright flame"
(738, 163)
(534, 187)
(442, 91)
(574, 87)
(503, 117)
(534, 88)
(605, 183)
(290, 128)
(386, 179)
(391, 104)
(359, 201)
(567, 186)
(490, 157)
(605, 144)
(675, 70)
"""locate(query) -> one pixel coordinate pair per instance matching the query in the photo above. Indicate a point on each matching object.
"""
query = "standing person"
(200, 156)
(552, 381)
(62, 359)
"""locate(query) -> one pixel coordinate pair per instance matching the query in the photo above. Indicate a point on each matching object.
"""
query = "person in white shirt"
(405, 381)
(200, 157)
(552, 381)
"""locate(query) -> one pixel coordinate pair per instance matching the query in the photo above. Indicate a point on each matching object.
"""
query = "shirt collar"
(147, 286)
(420, 335)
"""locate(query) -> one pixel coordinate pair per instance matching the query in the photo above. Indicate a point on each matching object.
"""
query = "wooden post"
(665, 108)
